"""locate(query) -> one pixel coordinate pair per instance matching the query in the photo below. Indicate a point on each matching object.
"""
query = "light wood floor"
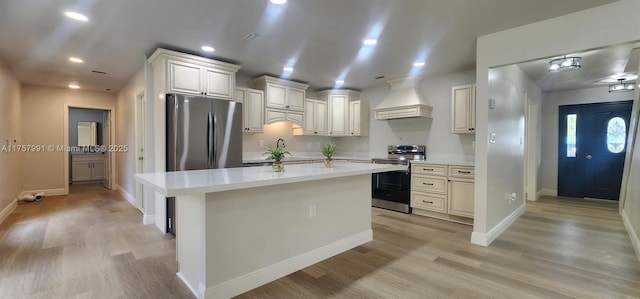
(91, 244)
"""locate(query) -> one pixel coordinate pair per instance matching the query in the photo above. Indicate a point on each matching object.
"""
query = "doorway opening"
(88, 143)
(592, 149)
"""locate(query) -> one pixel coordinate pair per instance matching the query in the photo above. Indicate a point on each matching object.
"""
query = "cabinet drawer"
(428, 201)
(461, 171)
(429, 169)
(429, 184)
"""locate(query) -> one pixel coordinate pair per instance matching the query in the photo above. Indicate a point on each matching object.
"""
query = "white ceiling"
(600, 67)
(324, 37)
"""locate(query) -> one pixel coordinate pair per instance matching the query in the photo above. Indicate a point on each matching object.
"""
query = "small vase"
(327, 163)
(278, 166)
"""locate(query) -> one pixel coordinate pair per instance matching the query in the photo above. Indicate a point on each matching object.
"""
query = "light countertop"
(445, 162)
(217, 180)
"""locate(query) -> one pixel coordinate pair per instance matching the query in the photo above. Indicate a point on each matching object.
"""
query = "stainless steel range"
(391, 190)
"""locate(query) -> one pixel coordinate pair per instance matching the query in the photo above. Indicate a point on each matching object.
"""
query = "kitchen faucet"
(278, 143)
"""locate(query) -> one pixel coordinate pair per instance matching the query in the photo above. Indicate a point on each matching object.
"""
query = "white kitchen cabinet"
(358, 118)
(315, 118)
(463, 109)
(252, 108)
(176, 72)
(338, 110)
(282, 94)
(461, 197)
(443, 191)
(87, 167)
(295, 117)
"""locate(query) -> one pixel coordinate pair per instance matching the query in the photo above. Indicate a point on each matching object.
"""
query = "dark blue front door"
(592, 148)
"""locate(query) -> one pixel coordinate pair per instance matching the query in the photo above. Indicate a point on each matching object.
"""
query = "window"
(571, 135)
(616, 135)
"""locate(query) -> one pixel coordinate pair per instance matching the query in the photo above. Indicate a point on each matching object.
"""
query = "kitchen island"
(239, 228)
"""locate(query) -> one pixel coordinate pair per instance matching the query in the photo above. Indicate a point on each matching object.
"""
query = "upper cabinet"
(176, 72)
(252, 108)
(463, 109)
(344, 118)
(358, 118)
(282, 94)
(315, 118)
(284, 99)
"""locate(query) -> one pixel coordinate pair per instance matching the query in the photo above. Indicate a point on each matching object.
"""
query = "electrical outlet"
(514, 196)
(318, 145)
(261, 142)
(312, 211)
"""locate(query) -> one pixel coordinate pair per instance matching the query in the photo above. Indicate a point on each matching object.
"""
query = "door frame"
(532, 148)
(631, 143)
(140, 118)
(111, 110)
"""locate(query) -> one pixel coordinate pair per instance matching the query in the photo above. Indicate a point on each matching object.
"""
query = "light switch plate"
(492, 103)
(492, 138)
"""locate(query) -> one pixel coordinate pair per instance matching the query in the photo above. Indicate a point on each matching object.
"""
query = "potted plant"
(328, 150)
(276, 154)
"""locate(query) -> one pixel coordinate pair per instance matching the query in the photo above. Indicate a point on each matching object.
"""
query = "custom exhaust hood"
(404, 101)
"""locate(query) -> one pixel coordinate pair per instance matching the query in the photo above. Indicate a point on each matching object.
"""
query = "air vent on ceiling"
(99, 72)
(252, 36)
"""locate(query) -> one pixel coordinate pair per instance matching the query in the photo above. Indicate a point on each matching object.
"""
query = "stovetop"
(402, 154)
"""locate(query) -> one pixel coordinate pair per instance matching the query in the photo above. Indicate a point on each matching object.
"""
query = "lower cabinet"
(443, 191)
(87, 168)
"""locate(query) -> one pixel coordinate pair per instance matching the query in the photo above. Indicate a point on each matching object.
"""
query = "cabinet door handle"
(465, 172)
(428, 184)
(426, 201)
(287, 106)
(427, 169)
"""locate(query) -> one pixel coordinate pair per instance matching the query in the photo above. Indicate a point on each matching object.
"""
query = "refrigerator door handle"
(209, 140)
(213, 121)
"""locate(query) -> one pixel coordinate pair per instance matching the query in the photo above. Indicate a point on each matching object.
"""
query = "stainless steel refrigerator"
(202, 133)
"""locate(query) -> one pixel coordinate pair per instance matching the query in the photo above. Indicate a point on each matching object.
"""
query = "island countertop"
(217, 180)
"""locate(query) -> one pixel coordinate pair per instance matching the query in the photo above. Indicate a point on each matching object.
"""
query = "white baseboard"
(47, 192)
(486, 239)
(267, 274)
(130, 198)
(538, 194)
(193, 290)
(148, 219)
(633, 235)
(549, 192)
(8, 210)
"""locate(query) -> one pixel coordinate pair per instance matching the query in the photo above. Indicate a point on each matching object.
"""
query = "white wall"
(575, 32)
(551, 102)
(10, 126)
(43, 110)
(435, 132)
(126, 131)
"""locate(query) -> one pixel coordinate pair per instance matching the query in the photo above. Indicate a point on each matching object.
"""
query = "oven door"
(391, 186)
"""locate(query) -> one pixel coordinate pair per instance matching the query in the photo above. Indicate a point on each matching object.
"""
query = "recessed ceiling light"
(76, 60)
(76, 16)
(287, 69)
(74, 85)
(339, 81)
(370, 42)
(278, 1)
(207, 48)
(418, 63)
